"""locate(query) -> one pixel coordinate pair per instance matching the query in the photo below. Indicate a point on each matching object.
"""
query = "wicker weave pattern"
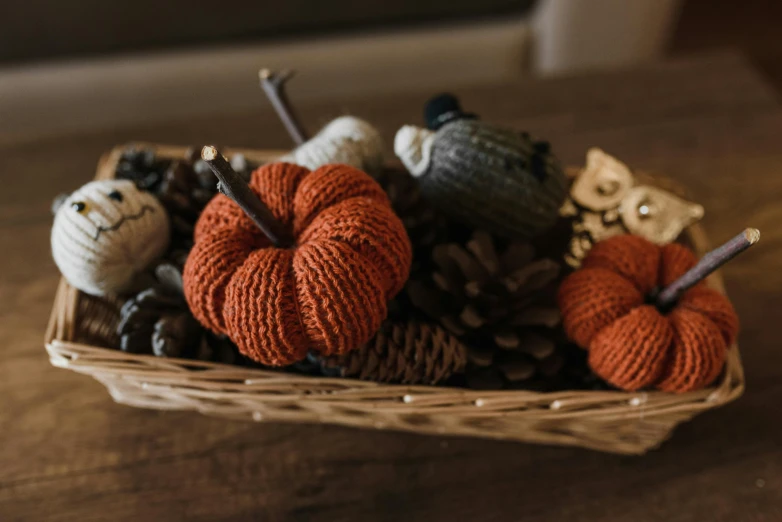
(618, 422)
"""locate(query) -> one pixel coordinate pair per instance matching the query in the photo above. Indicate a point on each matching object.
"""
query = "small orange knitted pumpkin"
(326, 293)
(632, 344)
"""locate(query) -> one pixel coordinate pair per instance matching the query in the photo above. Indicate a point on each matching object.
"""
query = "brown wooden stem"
(233, 186)
(708, 264)
(273, 84)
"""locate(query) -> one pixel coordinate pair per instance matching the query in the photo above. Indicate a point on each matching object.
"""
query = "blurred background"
(92, 64)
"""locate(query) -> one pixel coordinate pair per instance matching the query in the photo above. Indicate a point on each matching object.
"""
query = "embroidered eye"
(116, 195)
(79, 206)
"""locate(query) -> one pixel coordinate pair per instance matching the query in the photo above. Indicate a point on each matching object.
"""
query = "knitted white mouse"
(346, 140)
(106, 233)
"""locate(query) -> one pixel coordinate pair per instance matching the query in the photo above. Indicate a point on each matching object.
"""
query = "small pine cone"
(143, 167)
(174, 335)
(183, 196)
(140, 322)
(425, 226)
(405, 353)
(157, 321)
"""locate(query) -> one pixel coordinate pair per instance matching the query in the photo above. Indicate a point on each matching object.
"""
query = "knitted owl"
(106, 233)
(485, 176)
(346, 140)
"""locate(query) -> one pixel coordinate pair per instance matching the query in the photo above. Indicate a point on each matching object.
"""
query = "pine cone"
(499, 302)
(143, 167)
(425, 226)
(157, 321)
(405, 353)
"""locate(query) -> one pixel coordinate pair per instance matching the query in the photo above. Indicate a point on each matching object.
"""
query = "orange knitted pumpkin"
(632, 344)
(326, 293)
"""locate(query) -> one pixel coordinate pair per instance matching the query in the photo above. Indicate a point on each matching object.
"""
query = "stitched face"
(105, 233)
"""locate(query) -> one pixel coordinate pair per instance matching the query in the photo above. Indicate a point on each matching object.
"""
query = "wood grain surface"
(67, 452)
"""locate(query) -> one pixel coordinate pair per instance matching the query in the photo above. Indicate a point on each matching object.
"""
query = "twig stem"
(273, 84)
(235, 188)
(708, 264)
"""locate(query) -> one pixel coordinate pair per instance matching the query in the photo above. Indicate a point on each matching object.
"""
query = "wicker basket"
(82, 326)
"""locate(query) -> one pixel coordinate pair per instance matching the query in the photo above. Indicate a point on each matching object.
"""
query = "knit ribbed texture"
(346, 140)
(586, 309)
(635, 259)
(107, 232)
(489, 178)
(631, 352)
(328, 293)
(701, 362)
(633, 345)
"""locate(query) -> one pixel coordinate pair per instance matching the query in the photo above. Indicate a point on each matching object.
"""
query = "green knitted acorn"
(487, 177)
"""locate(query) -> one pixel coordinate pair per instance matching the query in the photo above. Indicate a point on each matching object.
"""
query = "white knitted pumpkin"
(105, 233)
(346, 140)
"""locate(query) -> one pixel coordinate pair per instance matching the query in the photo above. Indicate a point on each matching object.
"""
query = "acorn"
(484, 176)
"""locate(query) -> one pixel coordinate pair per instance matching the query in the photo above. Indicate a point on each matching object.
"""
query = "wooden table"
(67, 452)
